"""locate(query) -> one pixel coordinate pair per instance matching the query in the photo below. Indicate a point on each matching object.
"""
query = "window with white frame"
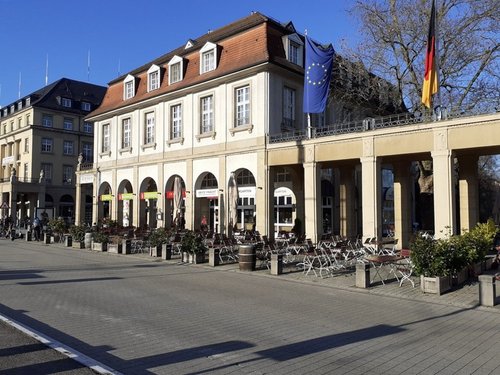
(87, 152)
(242, 104)
(26, 145)
(288, 107)
(68, 148)
(66, 102)
(68, 123)
(87, 127)
(106, 138)
(208, 57)
(294, 49)
(126, 133)
(68, 172)
(176, 121)
(149, 134)
(47, 144)
(129, 87)
(175, 69)
(26, 170)
(207, 114)
(47, 171)
(153, 78)
(47, 121)
(86, 106)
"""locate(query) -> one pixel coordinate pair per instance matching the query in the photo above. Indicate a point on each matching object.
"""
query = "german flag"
(430, 86)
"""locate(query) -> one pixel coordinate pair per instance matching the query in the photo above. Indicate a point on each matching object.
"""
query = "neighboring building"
(41, 136)
(230, 102)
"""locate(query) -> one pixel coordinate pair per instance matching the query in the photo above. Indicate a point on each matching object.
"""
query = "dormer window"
(85, 106)
(208, 58)
(153, 78)
(294, 49)
(65, 102)
(129, 87)
(175, 70)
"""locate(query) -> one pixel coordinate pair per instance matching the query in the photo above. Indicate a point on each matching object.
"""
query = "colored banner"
(170, 194)
(149, 195)
(126, 196)
(106, 197)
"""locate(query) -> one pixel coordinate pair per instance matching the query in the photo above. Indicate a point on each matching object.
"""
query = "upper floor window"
(47, 171)
(175, 69)
(26, 170)
(153, 77)
(288, 107)
(207, 114)
(106, 138)
(176, 121)
(68, 124)
(129, 87)
(68, 148)
(242, 104)
(47, 121)
(86, 106)
(66, 102)
(126, 133)
(68, 172)
(87, 152)
(294, 49)
(208, 57)
(150, 128)
(47, 144)
(26, 145)
(87, 127)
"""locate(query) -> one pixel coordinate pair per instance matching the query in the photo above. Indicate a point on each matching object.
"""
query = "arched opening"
(148, 204)
(126, 198)
(207, 208)
(245, 182)
(175, 207)
(66, 208)
(105, 199)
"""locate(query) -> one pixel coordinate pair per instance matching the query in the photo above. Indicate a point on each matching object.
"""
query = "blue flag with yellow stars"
(317, 73)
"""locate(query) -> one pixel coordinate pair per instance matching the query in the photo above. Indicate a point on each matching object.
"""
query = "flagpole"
(309, 129)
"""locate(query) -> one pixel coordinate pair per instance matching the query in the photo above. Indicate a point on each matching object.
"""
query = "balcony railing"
(375, 123)
(86, 166)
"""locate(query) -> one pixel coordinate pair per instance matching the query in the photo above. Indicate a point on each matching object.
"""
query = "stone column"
(402, 204)
(347, 197)
(261, 194)
(468, 190)
(371, 196)
(269, 192)
(312, 200)
(444, 193)
(78, 201)
(190, 197)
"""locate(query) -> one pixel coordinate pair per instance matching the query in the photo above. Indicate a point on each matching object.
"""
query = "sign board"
(149, 195)
(246, 192)
(87, 178)
(8, 160)
(106, 197)
(5, 206)
(207, 193)
(126, 196)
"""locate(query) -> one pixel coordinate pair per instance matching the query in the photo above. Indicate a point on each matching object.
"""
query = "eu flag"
(317, 73)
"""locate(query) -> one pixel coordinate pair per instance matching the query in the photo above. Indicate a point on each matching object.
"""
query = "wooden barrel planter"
(247, 257)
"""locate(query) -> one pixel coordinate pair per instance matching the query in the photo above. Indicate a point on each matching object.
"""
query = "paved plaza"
(140, 315)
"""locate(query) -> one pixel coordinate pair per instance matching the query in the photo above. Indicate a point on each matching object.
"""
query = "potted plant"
(115, 245)
(77, 233)
(100, 241)
(158, 238)
(478, 242)
(193, 245)
(57, 227)
(431, 260)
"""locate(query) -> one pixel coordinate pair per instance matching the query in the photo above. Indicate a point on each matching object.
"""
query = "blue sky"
(125, 34)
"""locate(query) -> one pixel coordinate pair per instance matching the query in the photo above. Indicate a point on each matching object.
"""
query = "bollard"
(362, 275)
(213, 257)
(28, 236)
(276, 264)
(487, 290)
(126, 246)
(46, 238)
(68, 241)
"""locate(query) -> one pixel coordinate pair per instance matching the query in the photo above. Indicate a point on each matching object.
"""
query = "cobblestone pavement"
(139, 315)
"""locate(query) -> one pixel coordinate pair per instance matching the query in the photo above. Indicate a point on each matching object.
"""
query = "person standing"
(36, 228)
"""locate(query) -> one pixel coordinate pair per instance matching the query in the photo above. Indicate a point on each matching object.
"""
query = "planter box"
(78, 245)
(28, 236)
(68, 241)
(155, 251)
(126, 247)
(435, 285)
(166, 251)
(460, 278)
(185, 257)
(197, 258)
(55, 239)
(99, 246)
(115, 248)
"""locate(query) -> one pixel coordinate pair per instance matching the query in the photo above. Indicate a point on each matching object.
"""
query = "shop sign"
(125, 196)
(149, 195)
(246, 192)
(106, 197)
(86, 178)
(170, 194)
(207, 193)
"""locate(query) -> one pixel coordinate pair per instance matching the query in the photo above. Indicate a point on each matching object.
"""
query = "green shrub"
(100, 237)
(57, 225)
(77, 232)
(159, 236)
(192, 243)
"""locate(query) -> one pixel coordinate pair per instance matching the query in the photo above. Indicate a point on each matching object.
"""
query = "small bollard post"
(362, 275)
(126, 246)
(68, 241)
(487, 290)
(276, 264)
(166, 251)
(213, 257)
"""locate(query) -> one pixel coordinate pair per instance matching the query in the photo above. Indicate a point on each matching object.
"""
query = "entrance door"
(213, 206)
